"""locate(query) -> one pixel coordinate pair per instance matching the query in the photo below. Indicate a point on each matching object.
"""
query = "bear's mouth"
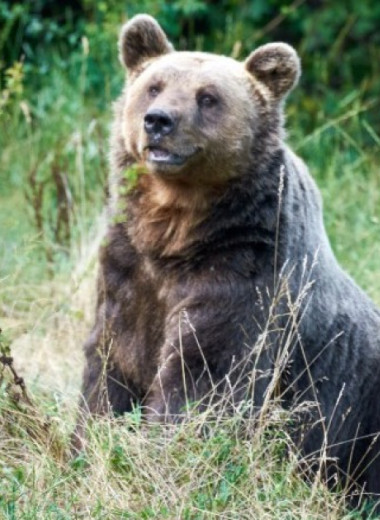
(162, 156)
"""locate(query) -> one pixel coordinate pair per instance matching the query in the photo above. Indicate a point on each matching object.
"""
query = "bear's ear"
(140, 39)
(277, 65)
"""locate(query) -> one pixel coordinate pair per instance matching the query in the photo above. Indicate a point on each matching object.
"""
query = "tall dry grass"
(238, 465)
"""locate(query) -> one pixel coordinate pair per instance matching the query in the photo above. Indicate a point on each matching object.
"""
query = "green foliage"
(176, 472)
(323, 32)
(53, 166)
(338, 41)
(13, 89)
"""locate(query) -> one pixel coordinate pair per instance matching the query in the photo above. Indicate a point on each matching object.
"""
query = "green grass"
(53, 170)
(343, 155)
(206, 467)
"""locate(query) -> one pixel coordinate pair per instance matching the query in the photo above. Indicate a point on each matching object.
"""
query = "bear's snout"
(158, 122)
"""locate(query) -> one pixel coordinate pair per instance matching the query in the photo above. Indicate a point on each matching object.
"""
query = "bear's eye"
(154, 90)
(206, 100)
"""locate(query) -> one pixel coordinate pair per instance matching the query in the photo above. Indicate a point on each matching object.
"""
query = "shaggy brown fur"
(165, 216)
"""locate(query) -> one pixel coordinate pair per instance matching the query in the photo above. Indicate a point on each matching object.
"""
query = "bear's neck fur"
(180, 220)
(165, 215)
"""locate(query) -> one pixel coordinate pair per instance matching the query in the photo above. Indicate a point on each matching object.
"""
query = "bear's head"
(199, 117)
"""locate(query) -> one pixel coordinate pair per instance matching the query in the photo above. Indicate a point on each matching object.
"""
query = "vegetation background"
(59, 73)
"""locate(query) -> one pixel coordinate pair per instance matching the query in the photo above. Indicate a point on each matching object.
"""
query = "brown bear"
(217, 274)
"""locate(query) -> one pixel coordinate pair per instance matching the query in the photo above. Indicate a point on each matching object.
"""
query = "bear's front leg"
(209, 358)
(111, 381)
(105, 389)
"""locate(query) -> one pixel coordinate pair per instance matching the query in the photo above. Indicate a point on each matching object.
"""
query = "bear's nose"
(157, 121)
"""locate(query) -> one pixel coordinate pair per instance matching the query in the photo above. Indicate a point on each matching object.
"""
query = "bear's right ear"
(140, 39)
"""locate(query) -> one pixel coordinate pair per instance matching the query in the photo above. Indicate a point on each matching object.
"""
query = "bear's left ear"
(277, 65)
(140, 39)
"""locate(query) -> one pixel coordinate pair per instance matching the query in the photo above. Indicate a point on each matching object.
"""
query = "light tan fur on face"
(224, 144)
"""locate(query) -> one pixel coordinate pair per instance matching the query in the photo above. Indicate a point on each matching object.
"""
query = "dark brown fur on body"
(144, 289)
(220, 244)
